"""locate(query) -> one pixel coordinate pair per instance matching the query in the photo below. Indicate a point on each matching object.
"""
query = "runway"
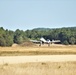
(36, 58)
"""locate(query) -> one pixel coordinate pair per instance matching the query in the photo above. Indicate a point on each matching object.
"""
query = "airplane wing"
(35, 41)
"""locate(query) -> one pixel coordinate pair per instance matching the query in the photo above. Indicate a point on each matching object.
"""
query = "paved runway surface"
(35, 58)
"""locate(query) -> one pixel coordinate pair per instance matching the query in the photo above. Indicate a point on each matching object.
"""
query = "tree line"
(65, 35)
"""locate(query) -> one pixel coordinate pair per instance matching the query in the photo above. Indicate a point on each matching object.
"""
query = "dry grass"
(47, 68)
(36, 50)
(38, 68)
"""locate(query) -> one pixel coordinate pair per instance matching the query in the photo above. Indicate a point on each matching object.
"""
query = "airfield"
(56, 59)
(53, 49)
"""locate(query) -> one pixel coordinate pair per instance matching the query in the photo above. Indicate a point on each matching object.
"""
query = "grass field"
(40, 68)
(36, 50)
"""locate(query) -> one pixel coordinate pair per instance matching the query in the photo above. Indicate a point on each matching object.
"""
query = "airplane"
(43, 41)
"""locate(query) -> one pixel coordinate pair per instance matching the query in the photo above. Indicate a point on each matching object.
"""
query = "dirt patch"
(28, 44)
(15, 45)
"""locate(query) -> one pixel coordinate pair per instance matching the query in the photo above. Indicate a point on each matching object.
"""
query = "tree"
(2, 41)
(20, 37)
(72, 40)
(65, 42)
(63, 37)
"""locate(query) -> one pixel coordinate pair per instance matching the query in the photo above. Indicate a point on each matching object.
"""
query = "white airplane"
(41, 40)
(45, 41)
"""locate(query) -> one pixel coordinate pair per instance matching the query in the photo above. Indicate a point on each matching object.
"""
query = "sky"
(29, 14)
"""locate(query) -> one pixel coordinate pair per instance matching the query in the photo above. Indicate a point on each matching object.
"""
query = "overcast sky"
(29, 14)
